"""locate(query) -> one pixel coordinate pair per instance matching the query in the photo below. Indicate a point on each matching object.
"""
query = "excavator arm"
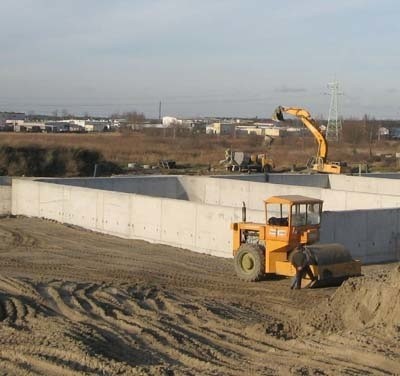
(319, 163)
(309, 123)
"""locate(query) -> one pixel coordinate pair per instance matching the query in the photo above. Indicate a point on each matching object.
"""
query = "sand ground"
(73, 302)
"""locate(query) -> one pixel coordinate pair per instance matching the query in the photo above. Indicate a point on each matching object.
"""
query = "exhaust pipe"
(244, 212)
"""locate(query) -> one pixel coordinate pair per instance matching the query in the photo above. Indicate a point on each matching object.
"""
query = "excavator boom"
(320, 163)
(309, 123)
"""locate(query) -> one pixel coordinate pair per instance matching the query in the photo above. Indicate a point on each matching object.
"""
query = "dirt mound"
(370, 303)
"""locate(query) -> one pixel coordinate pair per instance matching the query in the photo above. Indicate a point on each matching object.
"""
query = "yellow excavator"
(291, 220)
(319, 163)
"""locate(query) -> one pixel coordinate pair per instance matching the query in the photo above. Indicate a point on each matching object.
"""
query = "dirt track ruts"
(74, 302)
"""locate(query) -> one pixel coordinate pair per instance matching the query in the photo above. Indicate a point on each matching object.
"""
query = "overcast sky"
(208, 57)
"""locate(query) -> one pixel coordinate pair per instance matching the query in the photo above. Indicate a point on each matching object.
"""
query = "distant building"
(221, 128)
(394, 133)
(262, 129)
(57, 126)
(11, 124)
(96, 126)
(75, 128)
(169, 121)
(383, 132)
(296, 130)
(79, 125)
(11, 118)
(35, 127)
(79, 122)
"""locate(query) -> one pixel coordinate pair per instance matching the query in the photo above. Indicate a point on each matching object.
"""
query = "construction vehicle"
(247, 162)
(319, 163)
(167, 164)
(292, 220)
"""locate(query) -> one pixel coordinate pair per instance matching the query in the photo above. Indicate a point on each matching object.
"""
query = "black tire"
(249, 263)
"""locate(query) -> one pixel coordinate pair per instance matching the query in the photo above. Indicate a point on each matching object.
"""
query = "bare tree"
(134, 118)
(353, 131)
(371, 132)
(64, 113)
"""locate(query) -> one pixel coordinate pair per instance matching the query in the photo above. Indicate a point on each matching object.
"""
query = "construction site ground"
(74, 302)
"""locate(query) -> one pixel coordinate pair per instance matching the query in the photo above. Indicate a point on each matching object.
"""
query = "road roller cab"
(290, 221)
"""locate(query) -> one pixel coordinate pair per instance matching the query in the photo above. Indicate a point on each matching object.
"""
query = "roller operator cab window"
(306, 214)
(277, 214)
(314, 214)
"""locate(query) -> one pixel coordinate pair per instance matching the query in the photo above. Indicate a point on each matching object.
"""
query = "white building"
(262, 129)
(30, 127)
(383, 132)
(58, 126)
(96, 126)
(11, 118)
(169, 121)
(221, 128)
(80, 122)
(88, 125)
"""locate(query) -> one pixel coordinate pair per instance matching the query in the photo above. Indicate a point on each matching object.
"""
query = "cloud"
(108, 51)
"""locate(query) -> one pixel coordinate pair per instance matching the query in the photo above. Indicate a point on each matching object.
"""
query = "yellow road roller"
(291, 220)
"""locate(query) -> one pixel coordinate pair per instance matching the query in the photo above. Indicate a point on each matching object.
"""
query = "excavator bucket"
(278, 114)
(331, 264)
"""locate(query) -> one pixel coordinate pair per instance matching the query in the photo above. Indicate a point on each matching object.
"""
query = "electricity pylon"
(334, 127)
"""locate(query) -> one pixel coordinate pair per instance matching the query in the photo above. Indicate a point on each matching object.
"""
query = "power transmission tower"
(334, 127)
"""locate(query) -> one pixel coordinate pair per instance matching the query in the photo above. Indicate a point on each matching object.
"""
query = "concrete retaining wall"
(155, 186)
(360, 184)
(304, 180)
(5, 180)
(5, 200)
(371, 235)
(198, 227)
(232, 192)
(346, 192)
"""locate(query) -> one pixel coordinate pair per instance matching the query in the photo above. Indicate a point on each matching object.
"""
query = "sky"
(236, 58)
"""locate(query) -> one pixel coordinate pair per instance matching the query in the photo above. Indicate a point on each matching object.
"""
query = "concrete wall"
(194, 226)
(346, 192)
(386, 175)
(5, 180)
(232, 192)
(361, 184)
(371, 235)
(155, 186)
(304, 180)
(359, 192)
(5, 200)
